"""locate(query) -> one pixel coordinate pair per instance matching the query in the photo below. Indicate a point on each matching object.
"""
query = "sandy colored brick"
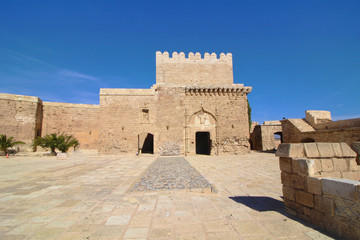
(337, 149)
(325, 149)
(341, 164)
(331, 174)
(353, 165)
(289, 193)
(293, 150)
(285, 164)
(311, 150)
(347, 151)
(293, 180)
(327, 164)
(325, 205)
(313, 185)
(351, 175)
(304, 198)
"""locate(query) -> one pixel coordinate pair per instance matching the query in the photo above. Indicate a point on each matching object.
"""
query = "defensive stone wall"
(194, 108)
(193, 70)
(321, 185)
(341, 124)
(262, 137)
(20, 118)
(124, 115)
(80, 120)
(292, 132)
(314, 116)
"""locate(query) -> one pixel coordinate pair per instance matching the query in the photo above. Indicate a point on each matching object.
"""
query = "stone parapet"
(321, 185)
(126, 92)
(193, 57)
(70, 105)
(14, 97)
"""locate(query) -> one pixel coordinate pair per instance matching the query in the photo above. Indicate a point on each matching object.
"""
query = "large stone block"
(303, 167)
(317, 218)
(353, 165)
(304, 198)
(311, 150)
(351, 175)
(292, 180)
(294, 205)
(325, 149)
(347, 151)
(341, 164)
(344, 188)
(337, 149)
(324, 205)
(290, 150)
(331, 175)
(313, 185)
(285, 164)
(288, 193)
(327, 165)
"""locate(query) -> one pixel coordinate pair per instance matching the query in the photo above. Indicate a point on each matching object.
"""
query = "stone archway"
(200, 133)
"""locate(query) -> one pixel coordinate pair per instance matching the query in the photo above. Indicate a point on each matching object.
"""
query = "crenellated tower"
(194, 69)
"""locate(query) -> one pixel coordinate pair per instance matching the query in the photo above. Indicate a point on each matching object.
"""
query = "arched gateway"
(201, 133)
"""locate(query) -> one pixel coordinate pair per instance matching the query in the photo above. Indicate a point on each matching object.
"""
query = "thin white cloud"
(73, 74)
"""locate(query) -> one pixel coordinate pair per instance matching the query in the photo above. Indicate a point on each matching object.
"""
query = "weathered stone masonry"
(321, 185)
(194, 102)
(194, 107)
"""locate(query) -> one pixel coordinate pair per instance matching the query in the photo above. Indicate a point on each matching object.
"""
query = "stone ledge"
(314, 150)
(14, 97)
(293, 150)
(311, 150)
(70, 105)
(344, 188)
(347, 151)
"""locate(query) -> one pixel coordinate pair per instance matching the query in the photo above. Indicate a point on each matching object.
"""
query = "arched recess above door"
(203, 118)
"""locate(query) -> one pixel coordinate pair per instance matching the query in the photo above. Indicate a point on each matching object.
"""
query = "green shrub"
(7, 143)
(63, 142)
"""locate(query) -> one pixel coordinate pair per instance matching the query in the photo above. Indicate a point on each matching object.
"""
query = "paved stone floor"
(171, 173)
(87, 197)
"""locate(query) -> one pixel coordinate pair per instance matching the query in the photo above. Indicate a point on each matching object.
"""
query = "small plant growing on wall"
(62, 142)
(6, 143)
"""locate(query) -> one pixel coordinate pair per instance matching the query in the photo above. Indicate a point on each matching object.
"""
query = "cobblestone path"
(170, 173)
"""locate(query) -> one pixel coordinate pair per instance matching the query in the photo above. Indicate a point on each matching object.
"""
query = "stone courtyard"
(88, 197)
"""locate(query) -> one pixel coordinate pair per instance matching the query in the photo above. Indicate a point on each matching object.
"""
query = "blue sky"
(297, 55)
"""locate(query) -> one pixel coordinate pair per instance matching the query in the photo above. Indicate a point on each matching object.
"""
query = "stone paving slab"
(170, 173)
(86, 197)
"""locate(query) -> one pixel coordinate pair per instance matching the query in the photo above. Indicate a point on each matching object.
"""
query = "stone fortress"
(194, 108)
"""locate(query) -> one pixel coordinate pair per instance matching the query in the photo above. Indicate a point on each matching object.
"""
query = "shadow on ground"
(261, 204)
(264, 204)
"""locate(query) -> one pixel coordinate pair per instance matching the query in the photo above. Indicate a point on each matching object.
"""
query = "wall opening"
(307, 140)
(147, 145)
(278, 137)
(203, 143)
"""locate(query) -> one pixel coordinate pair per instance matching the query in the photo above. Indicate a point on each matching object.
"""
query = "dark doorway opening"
(203, 143)
(148, 146)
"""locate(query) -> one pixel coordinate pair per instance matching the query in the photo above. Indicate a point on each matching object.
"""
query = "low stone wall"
(321, 185)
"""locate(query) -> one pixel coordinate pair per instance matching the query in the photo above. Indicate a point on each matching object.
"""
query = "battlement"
(206, 58)
(194, 69)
